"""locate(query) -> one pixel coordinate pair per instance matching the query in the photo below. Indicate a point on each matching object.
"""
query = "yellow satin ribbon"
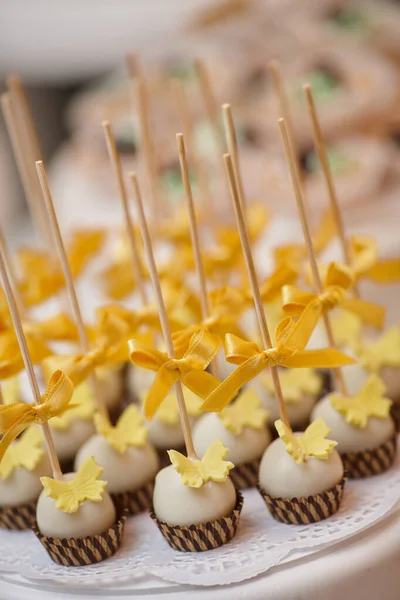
(291, 339)
(190, 369)
(128, 322)
(109, 349)
(271, 287)
(84, 245)
(41, 275)
(365, 262)
(337, 282)
(295, 254)
(14, 418)
(11, 361)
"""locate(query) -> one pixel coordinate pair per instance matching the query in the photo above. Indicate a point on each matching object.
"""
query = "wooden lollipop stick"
(210, 101)
(23, 163)
(326, 169)
(59, 245)
(188, 127)
(140, 97)
(231, 142)
(251, 271)
(308, 240)
(12, 277)
(194, 234)
(148, 249)
(55, 466)
(116, 165)
(15, 85)
(276, 73)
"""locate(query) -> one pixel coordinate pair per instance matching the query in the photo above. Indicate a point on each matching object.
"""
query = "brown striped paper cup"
(206, 536)
(18, 518)
(370, 462)
(134, 502)
(245, 476)
(303, 511)
(79, 552)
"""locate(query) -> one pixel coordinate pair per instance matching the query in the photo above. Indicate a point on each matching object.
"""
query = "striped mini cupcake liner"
(303, 511)
(245, 476)
(203, 537)
(79, 552)
(370, 462)
(135, 502)
(18, 518)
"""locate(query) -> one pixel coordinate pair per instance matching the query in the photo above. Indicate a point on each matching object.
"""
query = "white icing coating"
(139, 380)
(179, 504)
(282, 477)
(111, 385)
(68, 441)
(391, 377)
(298, 412)
(349, 437)
(24, 486)
(165, 436)
(124, 472)
(91, 518)
(355, 376)
(247, 446)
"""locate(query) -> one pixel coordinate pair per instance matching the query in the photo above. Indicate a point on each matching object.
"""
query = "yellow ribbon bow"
(290, 340)
(216, 326)
(271, 287)
(366, 263)
(295, 254)
(109, 349)
(337, 282)
(11, 361)
(189, 369)
(14, 418)
(84, 244)
(41, 277)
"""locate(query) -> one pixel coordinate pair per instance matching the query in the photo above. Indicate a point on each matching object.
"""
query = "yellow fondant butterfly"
(246, 411)
(386, 351)
(369, 402)
(84, 486)
(129, 430)
(312, 442)
(212, 467)
(25, 452)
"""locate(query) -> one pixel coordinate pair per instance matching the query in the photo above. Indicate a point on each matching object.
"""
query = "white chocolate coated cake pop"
(23, 486)
(290, 472)
(241, 427)
(128, 461)
(79, 510)
(300, 389)
(361, 422)
(192, 491)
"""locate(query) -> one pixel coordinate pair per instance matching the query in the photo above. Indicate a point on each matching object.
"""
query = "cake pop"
(205, 500)
(241, 427)
(129, 462)
(362, 426)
